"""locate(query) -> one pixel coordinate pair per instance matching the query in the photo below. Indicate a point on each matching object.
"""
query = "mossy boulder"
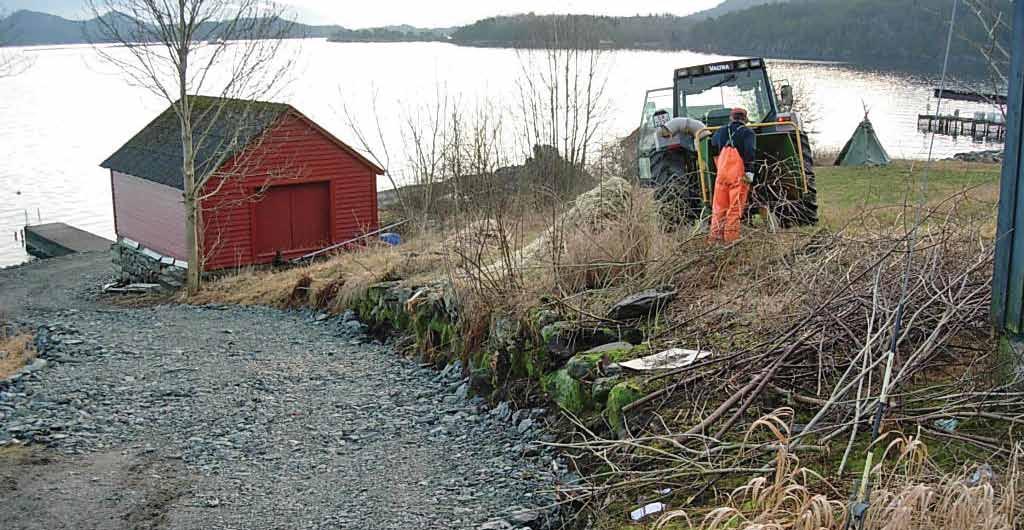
(434, 327)
(481, 382)
(505, 334)
(566, 391)
(383, 306)
(620, 396)
(601, 387)
(564, 339)
(588, 364)
(531, 363)
(642, 305)
(481, 376)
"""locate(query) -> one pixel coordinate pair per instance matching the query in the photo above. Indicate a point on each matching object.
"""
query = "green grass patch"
(843, 191)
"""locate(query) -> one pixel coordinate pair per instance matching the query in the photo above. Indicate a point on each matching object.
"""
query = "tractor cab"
(708, 93)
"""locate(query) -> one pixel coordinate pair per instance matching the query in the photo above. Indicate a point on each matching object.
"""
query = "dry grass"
(329, 284)
(16, 350)
(909, 493)
(615, 252)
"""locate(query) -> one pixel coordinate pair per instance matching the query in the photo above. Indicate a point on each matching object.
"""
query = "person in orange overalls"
(735, 175)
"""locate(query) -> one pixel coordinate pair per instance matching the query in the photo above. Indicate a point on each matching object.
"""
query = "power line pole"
(1008, 274)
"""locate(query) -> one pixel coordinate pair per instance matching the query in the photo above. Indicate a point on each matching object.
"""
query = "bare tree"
(181, 49)
(379, 153)
(445, 152)
(562, 86)
(995, 22)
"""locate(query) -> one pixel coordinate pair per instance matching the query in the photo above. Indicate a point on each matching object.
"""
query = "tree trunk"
(193, 217)
(193, 241)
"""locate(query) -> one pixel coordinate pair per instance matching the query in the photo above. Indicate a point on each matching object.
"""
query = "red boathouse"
(283, 186)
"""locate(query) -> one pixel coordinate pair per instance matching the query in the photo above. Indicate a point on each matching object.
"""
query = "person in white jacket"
(678, 190)
(681, 131)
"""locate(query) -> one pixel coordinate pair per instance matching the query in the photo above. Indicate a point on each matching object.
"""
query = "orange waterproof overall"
(730, 198)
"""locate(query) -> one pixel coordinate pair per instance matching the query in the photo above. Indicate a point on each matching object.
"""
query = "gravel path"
(225, 417)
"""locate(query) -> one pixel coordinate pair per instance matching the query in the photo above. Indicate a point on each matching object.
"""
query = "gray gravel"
(271, 419)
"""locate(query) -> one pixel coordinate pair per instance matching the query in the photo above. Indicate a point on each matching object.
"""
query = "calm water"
(70, 110)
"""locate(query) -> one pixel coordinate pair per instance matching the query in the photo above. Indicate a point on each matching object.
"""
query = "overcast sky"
(441, 13)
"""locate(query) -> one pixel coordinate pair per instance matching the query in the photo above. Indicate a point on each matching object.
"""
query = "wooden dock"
(51, 240)
(955, 126)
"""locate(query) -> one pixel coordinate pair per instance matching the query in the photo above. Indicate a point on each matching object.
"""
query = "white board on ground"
(650, 509)
(666, 360)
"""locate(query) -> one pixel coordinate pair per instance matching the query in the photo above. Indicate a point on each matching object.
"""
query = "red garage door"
(293, 218)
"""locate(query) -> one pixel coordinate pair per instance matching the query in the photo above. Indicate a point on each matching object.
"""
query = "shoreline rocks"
(992, 156)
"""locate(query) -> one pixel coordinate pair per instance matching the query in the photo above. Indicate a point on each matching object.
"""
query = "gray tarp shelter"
(863, 149)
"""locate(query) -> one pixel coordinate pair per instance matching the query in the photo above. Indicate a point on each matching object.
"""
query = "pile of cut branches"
(902, 306)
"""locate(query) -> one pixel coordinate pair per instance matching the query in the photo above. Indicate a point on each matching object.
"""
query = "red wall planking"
(293, 151)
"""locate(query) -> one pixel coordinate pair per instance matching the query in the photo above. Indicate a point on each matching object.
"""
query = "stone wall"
(135, 263)
(574, 365)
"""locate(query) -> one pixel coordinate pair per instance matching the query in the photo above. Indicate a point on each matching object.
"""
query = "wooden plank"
(1008, 272)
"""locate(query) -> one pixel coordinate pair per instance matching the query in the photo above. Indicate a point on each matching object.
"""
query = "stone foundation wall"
(136, 264)
(573, 365)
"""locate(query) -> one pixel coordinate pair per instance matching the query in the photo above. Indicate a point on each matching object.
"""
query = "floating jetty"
(51, 240)
(987, 128)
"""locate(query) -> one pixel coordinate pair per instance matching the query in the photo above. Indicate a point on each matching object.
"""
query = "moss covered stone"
(619, 397)
(601, 387)
(586, 365)
(553, 331)
(535, 363)
(566, 391)
(567, 338)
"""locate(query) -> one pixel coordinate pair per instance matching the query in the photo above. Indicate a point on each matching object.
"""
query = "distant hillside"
(402, 33)
(405, 28)
(654, 31)
(72, 9)
(897, 34)
(887, 34)
(904, 35)
(731, 6)
(29, 28)
(651, 31)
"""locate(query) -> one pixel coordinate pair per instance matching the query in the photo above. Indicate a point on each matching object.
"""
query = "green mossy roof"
(221, 127)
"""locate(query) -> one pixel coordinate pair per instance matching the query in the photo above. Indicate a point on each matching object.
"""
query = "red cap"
(739, 114)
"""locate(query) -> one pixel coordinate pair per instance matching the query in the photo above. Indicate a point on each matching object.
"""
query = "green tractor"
(784, 193)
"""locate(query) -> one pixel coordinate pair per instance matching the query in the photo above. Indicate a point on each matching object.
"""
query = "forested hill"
(640, 31)
(652, 31)
(887, 34)
(899, 34)
(729, 6)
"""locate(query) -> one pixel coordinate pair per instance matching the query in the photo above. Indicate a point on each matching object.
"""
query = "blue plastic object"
(391, 238)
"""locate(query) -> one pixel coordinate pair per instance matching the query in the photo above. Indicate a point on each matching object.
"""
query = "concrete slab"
(58, 239)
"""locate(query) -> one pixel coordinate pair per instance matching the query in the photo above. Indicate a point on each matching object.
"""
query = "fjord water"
(69, 110)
